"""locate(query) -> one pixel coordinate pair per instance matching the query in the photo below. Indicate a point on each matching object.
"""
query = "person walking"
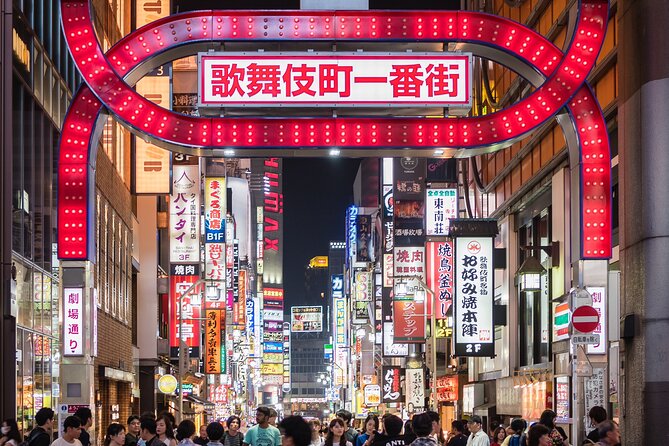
(457, 436)
(539, 435)
(71, 432)
(215, 433)
(421, 425)
(437, 431)
(597, 415)
(296, 431)
(351, 433)
(558, 435)
(609, 435)
(233, 437)
(392, 432)
(498, 436)
(515, 432)
(134, 427)
(315, 426)
(148, 432)
(202, 439)
(165, 431)
(115, 435)
(477, 436)
(337, 434)
(41, 435)
(10, 433)
(262, 434)
(185, 433)
(86, 417)
(371, 425)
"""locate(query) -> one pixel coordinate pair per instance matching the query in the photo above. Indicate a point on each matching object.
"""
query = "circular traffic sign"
(167, 384)
(585, 319)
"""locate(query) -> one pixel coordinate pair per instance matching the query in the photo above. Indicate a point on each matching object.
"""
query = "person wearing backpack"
(41, 435)
(518, 426)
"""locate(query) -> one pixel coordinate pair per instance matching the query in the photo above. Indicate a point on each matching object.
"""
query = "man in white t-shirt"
(71, 432)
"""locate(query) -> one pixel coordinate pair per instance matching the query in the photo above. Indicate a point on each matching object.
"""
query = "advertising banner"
(73, 321)
(271, 369)
(440, 276)
(409, 179)
(409, 221)
(273, 347)
(474, 290)
(351, 233)
(415, 390)
(215, 197)
(363, 248)
(185, 214)
(408, 201)
(214, 339)
(372, 394)
(392, 382)
(390, 348)
(447, 388)
(306, 319)
(562, 398)
(409, 320)
(334, 79)
(214, 262)
(190, 305)
(441, 206)
(363, 286)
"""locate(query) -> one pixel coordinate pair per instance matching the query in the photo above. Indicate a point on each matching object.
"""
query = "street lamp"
(529, 274)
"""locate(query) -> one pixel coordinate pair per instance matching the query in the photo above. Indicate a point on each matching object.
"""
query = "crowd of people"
(423, 429)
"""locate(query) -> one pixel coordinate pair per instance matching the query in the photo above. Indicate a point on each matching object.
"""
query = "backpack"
(515, 440)
(32, 436)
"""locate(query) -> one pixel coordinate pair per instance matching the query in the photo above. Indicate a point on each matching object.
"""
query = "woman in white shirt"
(10, 433)
(165, 432)
(115, 435)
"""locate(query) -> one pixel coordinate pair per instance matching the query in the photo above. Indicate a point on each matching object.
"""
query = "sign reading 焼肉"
(334, 79)
(474, 288)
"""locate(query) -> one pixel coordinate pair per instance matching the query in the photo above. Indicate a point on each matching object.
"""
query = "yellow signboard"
(319, 262)
(271, 369)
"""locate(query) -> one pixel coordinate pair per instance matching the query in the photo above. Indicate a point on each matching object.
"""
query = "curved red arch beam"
(197, 27)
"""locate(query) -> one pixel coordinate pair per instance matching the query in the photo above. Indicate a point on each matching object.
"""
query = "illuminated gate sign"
(335, 79)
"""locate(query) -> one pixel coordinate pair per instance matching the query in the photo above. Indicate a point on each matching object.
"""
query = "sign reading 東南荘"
(334, 79)
(441, 205)
(73, 322)
(472, 315)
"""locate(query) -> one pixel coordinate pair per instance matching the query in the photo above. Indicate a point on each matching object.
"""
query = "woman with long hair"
(186, 432)
(115, 435)
(10, 433)
(557, 434)
(371, 425)
(165, 432)
(498, 436)
(336, 436)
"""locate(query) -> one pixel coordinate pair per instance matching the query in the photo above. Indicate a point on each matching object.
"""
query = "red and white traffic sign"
(585, 319)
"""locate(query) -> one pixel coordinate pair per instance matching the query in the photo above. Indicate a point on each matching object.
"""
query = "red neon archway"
(104, 75)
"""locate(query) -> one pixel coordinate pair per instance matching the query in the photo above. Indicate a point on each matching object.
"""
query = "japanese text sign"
(334, 79)
(409, 320)
(73, 322)
(215, 353)
(214, 210)
(185, 214)
(306, 319)
(599, 303)
(441, 207)
(474, 289)
(363, 286)
(447, 388)
(415, 390)
(390, 348)
(440, 275)
(392, 382)
(190, 309)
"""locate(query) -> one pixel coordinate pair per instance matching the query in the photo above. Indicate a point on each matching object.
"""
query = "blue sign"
(273, 347)
(337, 286)
(351, 232)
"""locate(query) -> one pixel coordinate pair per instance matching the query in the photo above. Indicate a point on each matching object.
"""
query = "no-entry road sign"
(585, 319)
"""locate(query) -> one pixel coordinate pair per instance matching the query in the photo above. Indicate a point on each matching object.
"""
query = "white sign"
(73, 322)
(599, 303)
(415, 390)
(272, 315)
(585, 339)
(389, 347)
(372, 394)
(474, 290)
(214, 261)
(409, 262)
(185, 215)
(334, 79)
(596, 388)
(306, 319)
(441, 205)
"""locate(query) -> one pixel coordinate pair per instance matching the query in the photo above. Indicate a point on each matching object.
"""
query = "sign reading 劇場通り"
(334, 79)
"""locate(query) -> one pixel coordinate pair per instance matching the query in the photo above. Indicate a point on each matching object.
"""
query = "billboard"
(305, 319)
(182, 277)
(214, 341)
(441, 205)
(73, 317)
(185, 214)
(334, 79)
(440, 275)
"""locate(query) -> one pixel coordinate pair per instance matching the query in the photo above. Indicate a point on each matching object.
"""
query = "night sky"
(316, 193)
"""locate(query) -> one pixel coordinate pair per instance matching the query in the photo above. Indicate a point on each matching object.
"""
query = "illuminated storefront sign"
(447, 388)
(599, 303)
(335, 79)
(474, 289)
(441, 205)
(214, 341)
(409, 320)
(363, 286)
(185, 214)
(440, 275)
(182, 278)
(392, 383)
(214, 210)
(73, 322)
(351, 233)
(415, 390)
(306, 319)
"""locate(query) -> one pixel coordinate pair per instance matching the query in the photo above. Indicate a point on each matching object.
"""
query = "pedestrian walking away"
(295, 431)
(422, 428)
(41, 435)
(392, 432)
(215, 433)
(185, 433)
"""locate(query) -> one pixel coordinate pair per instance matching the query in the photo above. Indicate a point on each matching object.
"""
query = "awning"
(197, 400)
(483, 409)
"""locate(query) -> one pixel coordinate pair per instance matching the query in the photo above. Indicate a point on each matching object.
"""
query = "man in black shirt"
(148, 432)
(86, 417)
(458, 438)
(597, 415)
(392, 426)
(41, 435)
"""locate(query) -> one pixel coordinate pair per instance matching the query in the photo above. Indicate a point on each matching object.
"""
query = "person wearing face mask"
(10, 433)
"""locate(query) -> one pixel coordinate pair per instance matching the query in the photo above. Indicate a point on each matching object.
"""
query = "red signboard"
(440, 276)
(190, 310)
(585, 319)
(409, 320)
(447, 388)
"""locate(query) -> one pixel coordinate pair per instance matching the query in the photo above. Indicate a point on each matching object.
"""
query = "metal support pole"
(183, 351)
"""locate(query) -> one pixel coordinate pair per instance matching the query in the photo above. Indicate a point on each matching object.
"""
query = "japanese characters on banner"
(409, 321)
(447, 388)
(408, 201)
(440, 275)
(239, 308)
(306, 319)
(185, 213)
(596, 388)
(415, 390)
(286, 357)
(351, 233)
(599, 303)
(363, 286)
(372, 394)
(562, 398)
(390, 348)
(363, 248)
(392, 383)
(214, 339)
(271, 196)
(73, 322)
(214, 228)
(340, 332)
(182, 277)
(273, 329)
(441, 206)
(334, 79)
(474, 289)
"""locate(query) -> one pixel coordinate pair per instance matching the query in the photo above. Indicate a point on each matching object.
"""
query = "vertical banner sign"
(214, 228)
(363, 286)
(185, 214)
(229, 258)
(474, 288)
(390, 348)
(340, 333)
(409, 321)
(286, 357)
(599, 303)
(596, 388)
(562, 398)
(363, 249)
(73, 317)
(272, 220)
(241, 304)
(182, 277)
(440, 271)
(251, 324)
(409, 201)
(273, 329)
(214, 362)
(392, 383)
(441, 206)
(351, 233)
(415, 390)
